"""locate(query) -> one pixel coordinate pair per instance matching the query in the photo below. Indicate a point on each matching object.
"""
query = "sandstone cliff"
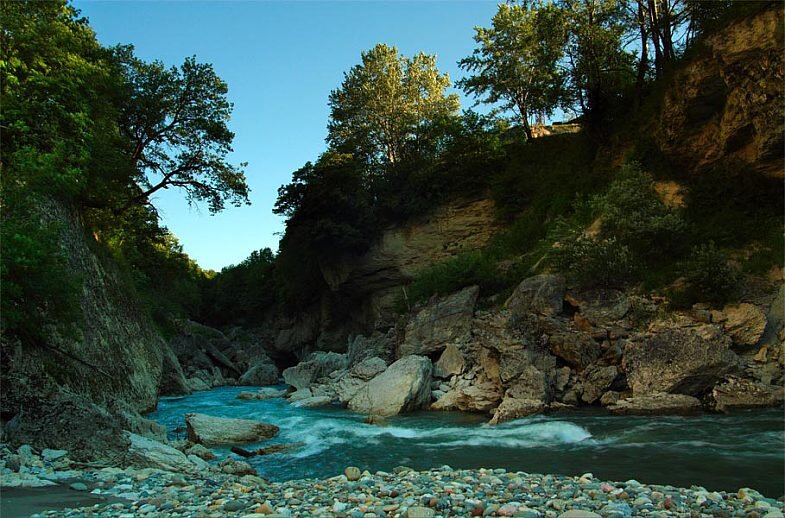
(363, 290)
(727, 103)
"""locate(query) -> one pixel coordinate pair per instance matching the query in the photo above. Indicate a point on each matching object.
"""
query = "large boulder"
(450, 363)
(596, 380)
(600, 306)
(147, 453)
(515, 408)
(541, 294)
(260, 374)
(404, 386)
(210, 430)
(657, 403)
(481, 397)
(446, 321)
(377, 345)
(344, 385)
(744, 323)
(738, 394)
(575, 347)
(318, 365)
(683, 360)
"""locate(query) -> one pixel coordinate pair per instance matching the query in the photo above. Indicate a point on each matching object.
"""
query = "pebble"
(403, 493)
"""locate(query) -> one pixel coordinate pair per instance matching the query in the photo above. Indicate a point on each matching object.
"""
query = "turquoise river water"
(718, 452)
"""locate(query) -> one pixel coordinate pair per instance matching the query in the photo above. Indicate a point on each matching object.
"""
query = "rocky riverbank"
(402, 493)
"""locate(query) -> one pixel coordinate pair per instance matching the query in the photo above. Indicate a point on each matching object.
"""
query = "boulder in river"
(210, 430)
(319, 364)
(658, 403)
(404, 386)
(738, 394)
(683, 360)
(260, 374)
(147, 453)
(264, 393)
(450, 363)
(448, 320)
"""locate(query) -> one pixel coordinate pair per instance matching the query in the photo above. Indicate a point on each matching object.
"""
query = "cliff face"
(111, 369)
(363, 290)
(727, 103)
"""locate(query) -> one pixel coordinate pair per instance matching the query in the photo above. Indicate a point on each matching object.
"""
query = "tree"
(176, 121)
(600, 69)
(517, 61)
(386, 105)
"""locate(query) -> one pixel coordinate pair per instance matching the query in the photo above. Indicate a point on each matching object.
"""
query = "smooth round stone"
(78, 486)
(352, 473)
(579, 513)
(419, 512)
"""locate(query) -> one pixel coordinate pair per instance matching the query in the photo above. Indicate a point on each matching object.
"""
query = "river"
(718, 452)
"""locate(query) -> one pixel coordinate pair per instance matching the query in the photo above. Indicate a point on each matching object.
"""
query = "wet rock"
(479, 397)
(447, 320)
(262, 394)
(450, 363)
(737, 394)
(515, 408)
(657, 404)
(404, 386)
(210, 430)
(541, 294)
(684, 360)
(313, 402)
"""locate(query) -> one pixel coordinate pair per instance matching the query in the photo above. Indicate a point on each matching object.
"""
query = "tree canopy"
(517, 61)
(98, 131)
(386, 105)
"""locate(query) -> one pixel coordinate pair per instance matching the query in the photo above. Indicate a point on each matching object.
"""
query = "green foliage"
(545, 176)
(447, 277)
(599, 67)
(86, 127)
(634, 214)
(516, 63)
(708, 277)
(241, 294)
(592, 262)
(175, 120)
(387, 105)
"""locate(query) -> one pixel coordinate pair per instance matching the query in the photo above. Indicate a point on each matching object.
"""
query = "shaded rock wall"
(728, 102)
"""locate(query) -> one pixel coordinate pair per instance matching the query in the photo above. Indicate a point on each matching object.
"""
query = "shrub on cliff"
(707, 277)
(588, 262)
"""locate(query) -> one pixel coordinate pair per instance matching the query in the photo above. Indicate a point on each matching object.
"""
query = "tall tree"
(386, 104)
(516, 63)
(176, 120)
(599, 66)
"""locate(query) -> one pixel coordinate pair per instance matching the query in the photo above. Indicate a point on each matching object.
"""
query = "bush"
(588, 262)
(634, 214)
(452, 275)
(708, 277)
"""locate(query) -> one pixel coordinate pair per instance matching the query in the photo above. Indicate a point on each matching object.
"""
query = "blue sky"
(281, 60)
